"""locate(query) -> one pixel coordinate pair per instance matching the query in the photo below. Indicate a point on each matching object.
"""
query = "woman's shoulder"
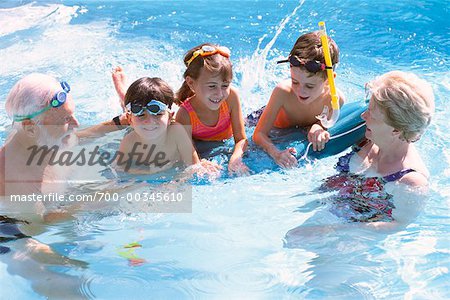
(419, 177)
(415, 179)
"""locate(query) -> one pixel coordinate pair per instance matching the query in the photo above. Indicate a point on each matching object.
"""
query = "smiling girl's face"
(211, 89)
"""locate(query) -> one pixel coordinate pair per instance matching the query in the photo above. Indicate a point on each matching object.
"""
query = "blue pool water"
(231, 245)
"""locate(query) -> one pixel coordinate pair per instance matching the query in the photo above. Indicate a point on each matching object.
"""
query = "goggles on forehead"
(312, 66)
(154, 107)
(58, 100)
(208, 50)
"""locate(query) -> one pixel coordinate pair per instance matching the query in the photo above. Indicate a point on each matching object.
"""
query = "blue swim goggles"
(58, 100)
(154, 107)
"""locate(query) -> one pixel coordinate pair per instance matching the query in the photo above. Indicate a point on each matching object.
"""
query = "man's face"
(59, 124)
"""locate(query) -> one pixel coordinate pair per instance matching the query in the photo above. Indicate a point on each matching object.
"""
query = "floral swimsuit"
(360, 198)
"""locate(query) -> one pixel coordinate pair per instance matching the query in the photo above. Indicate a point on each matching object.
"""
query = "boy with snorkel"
(296, 102)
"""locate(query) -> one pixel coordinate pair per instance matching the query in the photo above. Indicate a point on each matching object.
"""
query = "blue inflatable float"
(348, 130)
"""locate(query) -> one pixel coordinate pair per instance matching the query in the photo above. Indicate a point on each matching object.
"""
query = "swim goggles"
(208, 50)
(312, 66)
(58, 100)
(154, 107)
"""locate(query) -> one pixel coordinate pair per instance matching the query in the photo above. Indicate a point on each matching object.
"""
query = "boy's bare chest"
(155, 152)
(303, 115)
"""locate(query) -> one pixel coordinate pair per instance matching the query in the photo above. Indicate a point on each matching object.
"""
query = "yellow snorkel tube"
(323, 117)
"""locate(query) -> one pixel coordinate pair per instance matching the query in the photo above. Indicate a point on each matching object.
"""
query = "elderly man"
(42, 109)
(43, 113)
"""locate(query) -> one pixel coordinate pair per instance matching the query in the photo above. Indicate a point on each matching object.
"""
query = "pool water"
(232, 244)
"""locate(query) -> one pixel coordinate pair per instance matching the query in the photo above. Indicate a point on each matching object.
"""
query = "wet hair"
(309, 47)
(406, 101)
(145, 89)
(216, 64)
(31, 94)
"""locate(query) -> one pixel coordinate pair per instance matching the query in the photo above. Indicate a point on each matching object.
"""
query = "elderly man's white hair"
(30, 94)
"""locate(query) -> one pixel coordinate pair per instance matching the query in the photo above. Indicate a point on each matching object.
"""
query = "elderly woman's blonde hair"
(406, 101)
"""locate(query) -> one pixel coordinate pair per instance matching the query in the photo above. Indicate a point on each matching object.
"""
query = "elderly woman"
(380, 180)
(400, 110)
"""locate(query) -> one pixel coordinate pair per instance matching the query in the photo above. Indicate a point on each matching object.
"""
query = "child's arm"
(283, 158)
(189, 155)
(104, 127)
(182, 117)
(319, 136)
(119, 80)
(240, 139)
(184, 144)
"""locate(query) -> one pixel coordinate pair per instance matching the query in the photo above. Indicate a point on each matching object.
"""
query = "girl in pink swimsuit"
(209, 106)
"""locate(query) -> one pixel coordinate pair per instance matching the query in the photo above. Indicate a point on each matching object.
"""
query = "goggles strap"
(54, 102)
(204, 53)
(20, 118)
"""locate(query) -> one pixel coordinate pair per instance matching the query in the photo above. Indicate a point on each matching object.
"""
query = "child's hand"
(123, 120)
(318, 137)
(236, 166)
(119, 80)
(210, 167)
(286, 159)
(204, 168)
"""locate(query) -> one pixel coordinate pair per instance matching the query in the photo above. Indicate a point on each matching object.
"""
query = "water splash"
(254, 74)
(29, 16)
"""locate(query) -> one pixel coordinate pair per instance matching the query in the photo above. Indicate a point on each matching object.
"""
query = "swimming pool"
(231, 245)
